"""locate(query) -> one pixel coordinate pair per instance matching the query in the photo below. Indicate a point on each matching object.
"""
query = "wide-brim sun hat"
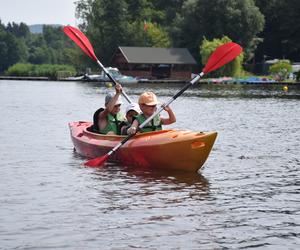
(148, 98)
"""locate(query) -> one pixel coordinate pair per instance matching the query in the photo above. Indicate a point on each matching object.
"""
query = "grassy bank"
(53, 71)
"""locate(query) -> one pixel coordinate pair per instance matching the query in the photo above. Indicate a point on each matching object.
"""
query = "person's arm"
(113, 101)
(132, 130)
(171, 119)
(102, 118)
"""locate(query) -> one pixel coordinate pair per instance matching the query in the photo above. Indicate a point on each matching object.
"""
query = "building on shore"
(154, 63)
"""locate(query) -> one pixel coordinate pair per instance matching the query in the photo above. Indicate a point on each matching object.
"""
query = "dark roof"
(157, 55)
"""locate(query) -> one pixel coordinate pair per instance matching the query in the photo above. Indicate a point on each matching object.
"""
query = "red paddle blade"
(222, 55)
(81, 40)
(97, 162)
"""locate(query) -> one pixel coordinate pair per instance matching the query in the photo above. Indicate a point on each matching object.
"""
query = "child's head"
(117, 106)
(148, 102)
(132, 110)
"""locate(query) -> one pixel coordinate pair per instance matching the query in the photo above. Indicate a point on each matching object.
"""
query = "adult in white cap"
(108, 120)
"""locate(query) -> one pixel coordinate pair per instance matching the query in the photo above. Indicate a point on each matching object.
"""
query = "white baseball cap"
(133, 106)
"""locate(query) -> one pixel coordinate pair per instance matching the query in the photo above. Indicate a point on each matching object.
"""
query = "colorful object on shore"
(254, 80)
(232, 80)
(285, 88)
(165, 149)
(83, 42)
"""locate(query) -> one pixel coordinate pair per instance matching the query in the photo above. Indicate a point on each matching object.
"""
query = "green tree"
(18, 30)
(40, 55)
(105, 25)
(11, 50)
(54, 37)
(140, 10)
(281, 33)
(109, 24)
(233, 68)
(156, 36)
(170, 8)
(240, 20)
(18, 45)
(281, 69)
(50, 47)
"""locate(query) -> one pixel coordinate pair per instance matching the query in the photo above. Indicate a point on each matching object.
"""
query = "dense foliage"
(18, 45)
(264, 28)
(281, 31)
(239, 20)
(190, 22)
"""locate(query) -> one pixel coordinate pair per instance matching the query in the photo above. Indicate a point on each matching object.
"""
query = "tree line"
(19, 45)
(265, 29)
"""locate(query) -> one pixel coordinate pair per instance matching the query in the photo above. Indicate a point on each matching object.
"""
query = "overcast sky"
(38, 11)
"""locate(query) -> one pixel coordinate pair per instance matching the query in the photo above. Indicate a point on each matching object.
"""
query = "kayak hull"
(165, 149)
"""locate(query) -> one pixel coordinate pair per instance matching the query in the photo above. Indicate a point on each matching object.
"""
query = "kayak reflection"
(133, 174)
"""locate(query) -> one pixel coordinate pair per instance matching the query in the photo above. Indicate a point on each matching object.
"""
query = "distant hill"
(38, 28)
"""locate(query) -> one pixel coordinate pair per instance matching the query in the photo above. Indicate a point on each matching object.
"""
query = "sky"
(38, 11)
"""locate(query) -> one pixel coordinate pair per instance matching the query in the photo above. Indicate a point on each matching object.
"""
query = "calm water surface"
(246, 197)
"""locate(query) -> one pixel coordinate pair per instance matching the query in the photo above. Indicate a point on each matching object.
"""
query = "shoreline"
(143, 81)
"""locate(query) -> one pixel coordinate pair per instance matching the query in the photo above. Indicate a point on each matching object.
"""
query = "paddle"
(83, 42)
(222, 55)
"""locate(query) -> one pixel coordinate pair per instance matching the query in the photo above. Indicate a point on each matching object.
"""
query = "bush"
(47, 70)
(233, 68)
(281, 69)
(19, 69)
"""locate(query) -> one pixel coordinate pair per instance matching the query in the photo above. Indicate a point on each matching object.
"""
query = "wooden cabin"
(154, 63)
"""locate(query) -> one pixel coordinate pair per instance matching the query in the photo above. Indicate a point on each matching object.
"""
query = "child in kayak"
(148, 104)
(132, 110)
(108, 120)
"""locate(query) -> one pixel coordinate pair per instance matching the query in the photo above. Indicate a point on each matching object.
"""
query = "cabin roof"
(149, 55)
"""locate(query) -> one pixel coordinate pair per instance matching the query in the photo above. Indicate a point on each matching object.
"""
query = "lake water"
(247, 196)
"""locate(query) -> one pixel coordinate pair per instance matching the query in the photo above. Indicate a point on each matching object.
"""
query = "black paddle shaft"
(195, 79)
(113, 80)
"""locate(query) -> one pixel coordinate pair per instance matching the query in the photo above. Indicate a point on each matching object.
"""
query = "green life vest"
(113, 124)
(153, 125)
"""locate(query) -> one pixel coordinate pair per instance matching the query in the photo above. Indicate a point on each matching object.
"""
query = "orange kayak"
(167, 149)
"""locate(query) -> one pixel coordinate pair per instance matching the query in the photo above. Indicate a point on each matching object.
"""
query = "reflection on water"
(247, 195)
(162, 176)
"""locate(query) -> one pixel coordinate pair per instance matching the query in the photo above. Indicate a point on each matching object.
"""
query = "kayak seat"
(94, 128)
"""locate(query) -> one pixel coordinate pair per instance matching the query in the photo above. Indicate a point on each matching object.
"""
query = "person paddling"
(148, 105)
(108, 120)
